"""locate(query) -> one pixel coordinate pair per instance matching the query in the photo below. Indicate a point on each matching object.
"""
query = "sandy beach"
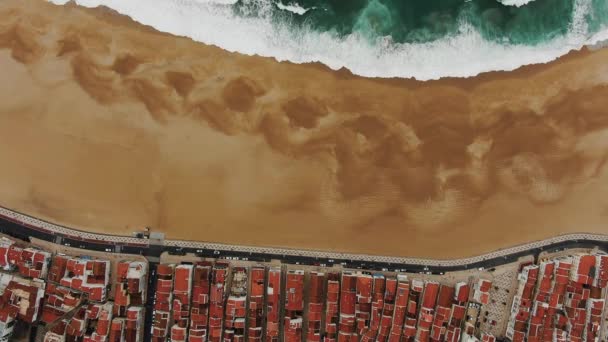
(110, 126)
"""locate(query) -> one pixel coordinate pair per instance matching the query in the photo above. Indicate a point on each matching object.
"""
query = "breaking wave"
(516, 3)
(383, 38)
(293, 8)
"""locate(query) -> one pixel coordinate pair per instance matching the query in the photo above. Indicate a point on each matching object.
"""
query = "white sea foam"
(516, 3)
(599, 40)
(293, 8)
(462, 55)
(219, 2)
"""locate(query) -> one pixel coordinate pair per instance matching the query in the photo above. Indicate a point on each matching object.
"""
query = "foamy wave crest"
(516, 3)
(293, 8)
(463, 54)
(219, 2)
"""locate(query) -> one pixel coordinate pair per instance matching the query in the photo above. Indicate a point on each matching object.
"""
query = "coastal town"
(54, 293)
(294, 171)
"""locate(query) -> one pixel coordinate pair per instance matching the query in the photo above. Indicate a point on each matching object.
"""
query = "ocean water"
(423, 39)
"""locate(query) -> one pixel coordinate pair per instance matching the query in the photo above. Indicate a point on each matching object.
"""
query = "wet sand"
(110, 126)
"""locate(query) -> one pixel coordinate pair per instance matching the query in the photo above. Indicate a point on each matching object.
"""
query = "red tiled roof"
(430, 294)
(446, 294)
(24, 297)
(462, 292)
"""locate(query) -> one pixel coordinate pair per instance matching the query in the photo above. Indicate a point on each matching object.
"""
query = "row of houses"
(218, 301)
(79, 305)
(71, 298)
(561, 299)
(86, 299)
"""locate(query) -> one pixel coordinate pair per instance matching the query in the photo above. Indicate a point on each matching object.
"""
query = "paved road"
(24, 232)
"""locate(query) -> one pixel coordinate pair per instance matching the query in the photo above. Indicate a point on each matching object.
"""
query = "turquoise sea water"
(420, 21)
(423, 39)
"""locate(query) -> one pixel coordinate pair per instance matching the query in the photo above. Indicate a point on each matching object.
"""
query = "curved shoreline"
(459, 48)
(181, 245)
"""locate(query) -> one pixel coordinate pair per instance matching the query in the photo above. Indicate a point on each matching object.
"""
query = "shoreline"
(287, 53)
(121, 126)
(110, 14)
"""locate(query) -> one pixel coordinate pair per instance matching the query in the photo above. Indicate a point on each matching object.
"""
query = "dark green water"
(419, 21)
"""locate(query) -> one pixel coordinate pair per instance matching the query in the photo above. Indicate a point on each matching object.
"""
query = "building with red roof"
(595, 309)
(9, 253)
(255, 308)
(21, 299)
(56, 332)
(413, 306)
(427, 309)
(134, 324)
(89, 276)
(236, 305)
(178, 334)
(130, 286)
(117, 329)
(29, 262)
(485, 337)
(273, 302)
(348, 298)
(180, 307)
(443, 312)
(76, 326)
(217, 298)
(461, 293)
(331, 307)
(102, 314)
(199, 314)
(163, 299)
(565, 304)
(58, 301)
(58, 267)
(316, 291)
(522, 303)
(542, 313)
(401, 302)
(377, 307)
(601, 270)
(481, 291)
(454, 329)
(457, 311)
(583, 269)
(390, 293)
(95, 322)
(363, 306)
(294, 306)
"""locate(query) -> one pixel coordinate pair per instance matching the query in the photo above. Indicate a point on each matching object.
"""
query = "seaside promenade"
(21, 225)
